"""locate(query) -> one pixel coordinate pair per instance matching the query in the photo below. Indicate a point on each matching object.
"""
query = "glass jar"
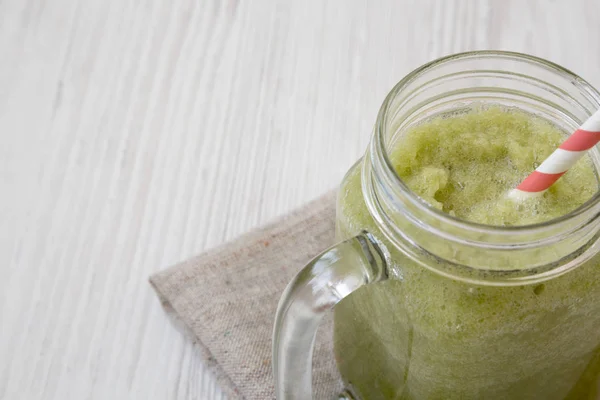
(442, 308)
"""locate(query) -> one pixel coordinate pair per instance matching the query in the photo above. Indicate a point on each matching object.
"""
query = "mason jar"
(429, 306)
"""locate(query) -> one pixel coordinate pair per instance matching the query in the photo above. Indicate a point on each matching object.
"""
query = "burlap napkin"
(228, 297)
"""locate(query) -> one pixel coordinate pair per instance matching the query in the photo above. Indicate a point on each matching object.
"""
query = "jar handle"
(315, 290)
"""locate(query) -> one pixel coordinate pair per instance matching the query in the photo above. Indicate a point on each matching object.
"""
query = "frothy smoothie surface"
(466, 163)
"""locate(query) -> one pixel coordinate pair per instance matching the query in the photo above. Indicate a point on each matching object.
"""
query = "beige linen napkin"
(228, 297)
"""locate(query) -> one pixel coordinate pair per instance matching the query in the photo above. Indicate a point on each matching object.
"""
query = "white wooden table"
(135, 134)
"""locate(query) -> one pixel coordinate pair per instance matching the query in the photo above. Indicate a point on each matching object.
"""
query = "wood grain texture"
(135, 134)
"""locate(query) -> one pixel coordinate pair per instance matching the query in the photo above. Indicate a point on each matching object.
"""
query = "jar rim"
(385, 192)
(591, 207)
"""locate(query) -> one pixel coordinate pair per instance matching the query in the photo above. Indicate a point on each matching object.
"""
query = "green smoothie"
(430, 337)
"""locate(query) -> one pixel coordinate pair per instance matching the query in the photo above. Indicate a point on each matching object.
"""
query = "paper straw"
(559, 162)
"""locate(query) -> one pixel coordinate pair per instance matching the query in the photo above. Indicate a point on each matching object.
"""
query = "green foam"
(465, 165)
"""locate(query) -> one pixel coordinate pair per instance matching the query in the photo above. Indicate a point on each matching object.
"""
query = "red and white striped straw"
(563, 158)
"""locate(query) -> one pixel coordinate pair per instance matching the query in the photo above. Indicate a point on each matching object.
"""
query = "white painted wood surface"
(135, 134)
